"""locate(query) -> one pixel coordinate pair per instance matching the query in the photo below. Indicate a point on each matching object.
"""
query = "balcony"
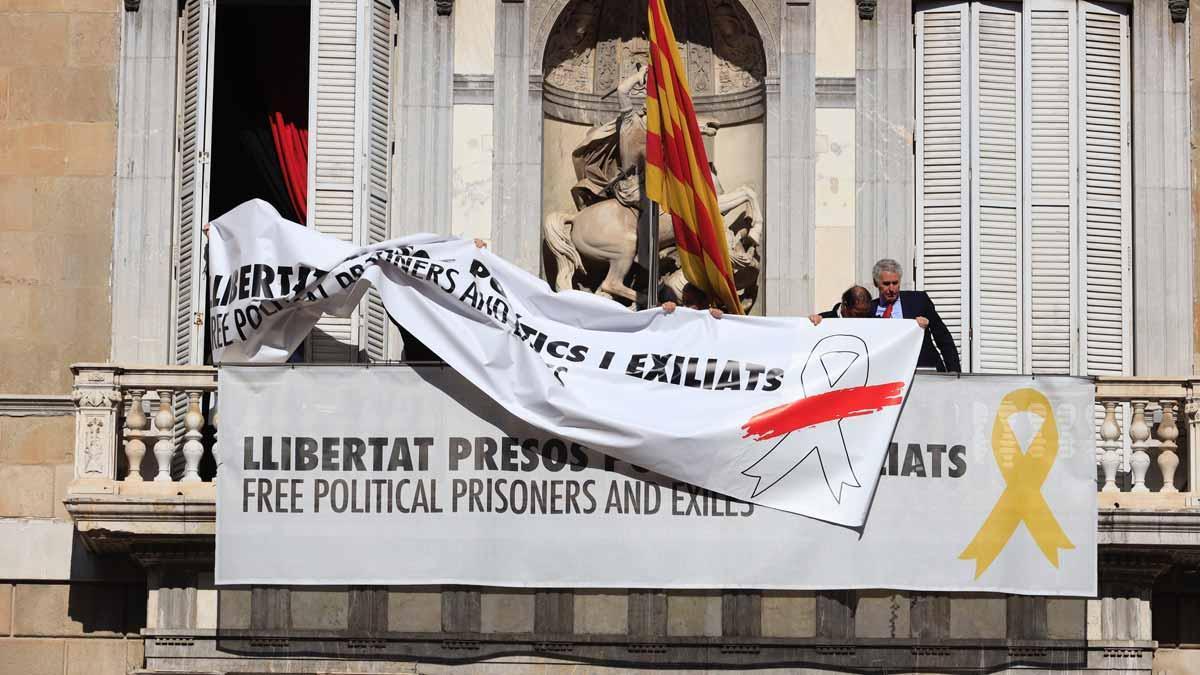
(145, 465)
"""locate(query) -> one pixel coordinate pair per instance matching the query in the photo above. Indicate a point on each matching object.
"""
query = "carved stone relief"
(95, 451)
(739, 55)
(571, 47)
(594, 44)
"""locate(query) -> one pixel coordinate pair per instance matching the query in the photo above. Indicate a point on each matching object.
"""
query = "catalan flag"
(677, 173)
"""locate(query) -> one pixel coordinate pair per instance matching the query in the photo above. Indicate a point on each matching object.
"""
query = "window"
(349, 51)
(1022, 158)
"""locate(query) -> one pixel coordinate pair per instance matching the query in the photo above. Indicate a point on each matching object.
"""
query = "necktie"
(887, 313)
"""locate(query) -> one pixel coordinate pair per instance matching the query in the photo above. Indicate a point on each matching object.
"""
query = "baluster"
(135, 428)
(216, 448)
(164, 427)
(1110, 442)
(1139, 432)
(1168, 457)
(193, 449)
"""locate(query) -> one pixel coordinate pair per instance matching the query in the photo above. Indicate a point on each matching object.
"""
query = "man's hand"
(205, 228)
(922, 322)
(716, 313)
(668, 307)
(815, 319)
(479, 243)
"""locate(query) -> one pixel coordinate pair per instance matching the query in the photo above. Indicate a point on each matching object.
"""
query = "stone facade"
(87, 119)
(58, 110)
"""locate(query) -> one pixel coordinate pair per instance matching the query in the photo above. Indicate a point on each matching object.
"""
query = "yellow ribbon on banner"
(1024, 474)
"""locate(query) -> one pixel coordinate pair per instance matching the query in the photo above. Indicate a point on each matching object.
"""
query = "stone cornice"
(119, 523)
(36, 405)
(1149, 528)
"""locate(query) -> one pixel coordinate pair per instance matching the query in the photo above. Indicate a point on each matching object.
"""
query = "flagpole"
(652, 299)
(648, 245)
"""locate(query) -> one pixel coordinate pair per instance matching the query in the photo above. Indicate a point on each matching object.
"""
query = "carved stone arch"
(544, 15)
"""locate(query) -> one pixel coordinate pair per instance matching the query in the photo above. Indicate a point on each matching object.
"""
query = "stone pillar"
(424, 89)
(741, 614)
(835, 615)
(1194, 107)
(554, 612)
(1161, 203)
(179, 591)
(790, 173)
(516, 160)
(145, 204)
(647, 613)
(96, 399)
(1126, 586)
(884, 178)
(461, 611)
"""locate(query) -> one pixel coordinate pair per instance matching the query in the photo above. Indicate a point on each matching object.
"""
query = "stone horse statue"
(607, 194)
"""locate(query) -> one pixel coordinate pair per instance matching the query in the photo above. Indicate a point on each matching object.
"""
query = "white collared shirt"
(897, 309)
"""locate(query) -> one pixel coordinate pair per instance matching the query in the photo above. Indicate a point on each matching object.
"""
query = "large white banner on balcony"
(397, 475)
(770, 410)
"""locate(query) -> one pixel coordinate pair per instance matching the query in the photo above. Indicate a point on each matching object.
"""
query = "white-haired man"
(938, 349)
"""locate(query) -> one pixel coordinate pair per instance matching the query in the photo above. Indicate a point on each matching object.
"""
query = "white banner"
(771, 410)
(396, 475)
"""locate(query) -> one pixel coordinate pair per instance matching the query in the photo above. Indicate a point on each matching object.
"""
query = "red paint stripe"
(834, 405)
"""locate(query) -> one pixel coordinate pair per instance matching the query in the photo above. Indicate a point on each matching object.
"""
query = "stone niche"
(595, 45)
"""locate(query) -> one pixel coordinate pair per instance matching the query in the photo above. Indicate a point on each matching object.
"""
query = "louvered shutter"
(193, 131)
(996, 189)
(943, 153)
(1050, 185)
(334, 157)
(379, 140)
(1104, 144)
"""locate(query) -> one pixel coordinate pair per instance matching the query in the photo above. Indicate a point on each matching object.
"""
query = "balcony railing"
(135, 424)
(154, 424)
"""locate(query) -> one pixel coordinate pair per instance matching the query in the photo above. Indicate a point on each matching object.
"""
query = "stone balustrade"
(137, 424)
(1141, 447)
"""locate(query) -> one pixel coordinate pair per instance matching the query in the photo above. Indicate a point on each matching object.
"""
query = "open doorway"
(260, 106)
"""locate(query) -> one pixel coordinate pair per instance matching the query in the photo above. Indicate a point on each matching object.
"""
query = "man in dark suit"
(938, 349)
(856, 304)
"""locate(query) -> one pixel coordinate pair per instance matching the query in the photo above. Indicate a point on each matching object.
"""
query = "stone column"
(790, 172)
(424, 89)
(1194, 107)
(179, 591)
(516, 159)
(835, 615)
(145, 204)
(884, 178)
(1126, 586)
(1162, 224)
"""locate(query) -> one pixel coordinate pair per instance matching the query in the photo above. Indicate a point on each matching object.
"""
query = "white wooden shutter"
(379, 140)
(334, 152)
(193, 131)
(1050, 185)
(996, 188)
(1104, 171)
(943, 153)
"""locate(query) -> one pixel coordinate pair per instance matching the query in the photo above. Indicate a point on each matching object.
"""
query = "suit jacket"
(832, 313)
(938, 349)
